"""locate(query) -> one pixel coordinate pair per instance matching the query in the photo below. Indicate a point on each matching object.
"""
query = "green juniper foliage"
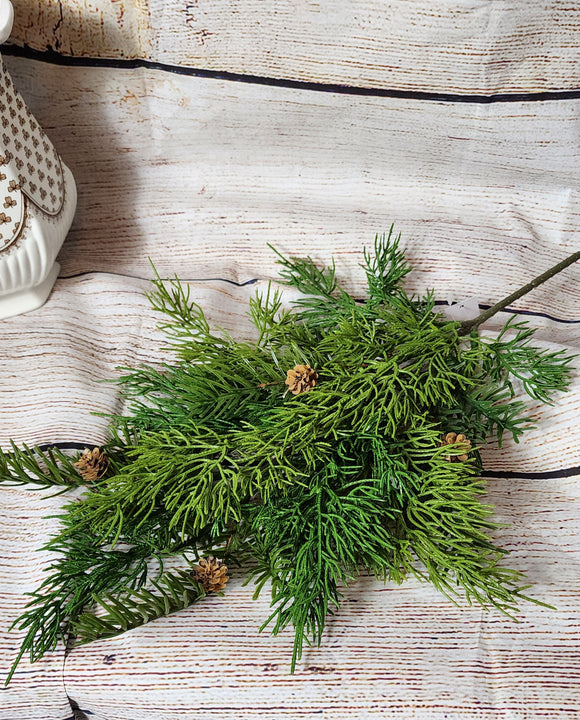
(302, 490)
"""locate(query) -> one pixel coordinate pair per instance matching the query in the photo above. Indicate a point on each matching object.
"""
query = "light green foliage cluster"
(302, 491)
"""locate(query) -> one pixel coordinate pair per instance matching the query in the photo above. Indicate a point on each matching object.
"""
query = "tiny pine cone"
(92, 464)
(211, 574)
(301, 379)
(452, 438)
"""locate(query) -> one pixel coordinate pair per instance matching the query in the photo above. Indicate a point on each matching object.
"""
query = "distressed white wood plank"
(201, 174)
(405, 650)
(465, 46)
(37, 691)
(83, 27)
(461, 46)
(92, 325)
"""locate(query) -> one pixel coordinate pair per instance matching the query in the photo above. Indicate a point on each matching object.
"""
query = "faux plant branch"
(344, 439)
(468, 325)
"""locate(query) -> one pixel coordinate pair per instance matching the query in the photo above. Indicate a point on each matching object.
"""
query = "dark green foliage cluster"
(303, 492)
(175, 590)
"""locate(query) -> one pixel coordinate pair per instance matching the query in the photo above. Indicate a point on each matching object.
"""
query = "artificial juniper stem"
(468, 325)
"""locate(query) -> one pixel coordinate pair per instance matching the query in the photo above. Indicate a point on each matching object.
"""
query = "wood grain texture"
(199, 175)
(37, 691)
(465, 46)
(83, 27)
(440, 46)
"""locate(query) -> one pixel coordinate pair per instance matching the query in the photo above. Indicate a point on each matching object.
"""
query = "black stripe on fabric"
(532, 313)
(78, 713)
(149, 279)
(499, 474)
(545, 475)
(132, 63)
(253, 281)
(66, 446)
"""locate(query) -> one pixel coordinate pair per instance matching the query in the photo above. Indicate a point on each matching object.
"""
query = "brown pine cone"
(92, 464)
(211, 574)
(301, 379)
(452, 438)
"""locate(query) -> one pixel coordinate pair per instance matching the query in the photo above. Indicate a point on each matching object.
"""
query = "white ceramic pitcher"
(37, 198)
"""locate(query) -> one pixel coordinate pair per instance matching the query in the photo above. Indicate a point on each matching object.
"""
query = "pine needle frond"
(83, 569)
(541, 372)
(131, 608)
(48, 468)
(324, 300)
(186, 325)
(386, 269)
(308, 541)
